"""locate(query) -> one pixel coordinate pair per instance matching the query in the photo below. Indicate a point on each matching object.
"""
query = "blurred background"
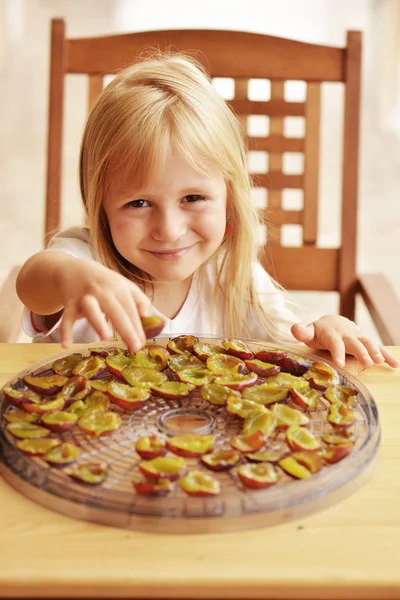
(24, 66)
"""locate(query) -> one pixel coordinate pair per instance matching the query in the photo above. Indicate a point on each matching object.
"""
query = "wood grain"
(348, 551)
(55, 129)
(290, 59)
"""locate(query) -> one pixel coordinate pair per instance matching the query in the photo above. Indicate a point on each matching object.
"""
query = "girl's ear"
(228, 229)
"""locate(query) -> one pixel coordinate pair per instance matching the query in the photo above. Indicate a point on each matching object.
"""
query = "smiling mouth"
(171, 254)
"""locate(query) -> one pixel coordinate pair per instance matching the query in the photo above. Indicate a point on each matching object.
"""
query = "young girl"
(171, 228)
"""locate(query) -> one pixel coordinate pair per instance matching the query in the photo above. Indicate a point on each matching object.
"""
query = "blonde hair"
(162, 100)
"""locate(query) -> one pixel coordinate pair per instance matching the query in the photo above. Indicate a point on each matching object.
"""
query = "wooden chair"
(243, 56)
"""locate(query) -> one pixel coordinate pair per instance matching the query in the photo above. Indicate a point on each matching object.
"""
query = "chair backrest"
(243, 56)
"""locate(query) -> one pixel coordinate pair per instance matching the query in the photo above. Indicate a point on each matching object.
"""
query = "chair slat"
(311, 163)
(55, 130)
(272, 108)
(278, 180)
(94, 88)
(303, 268)
(291, 59)
(279, 216)
(347, 271)
(275, 180)
(276, 143)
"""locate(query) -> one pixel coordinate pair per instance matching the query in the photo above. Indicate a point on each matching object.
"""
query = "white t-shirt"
(194, 317)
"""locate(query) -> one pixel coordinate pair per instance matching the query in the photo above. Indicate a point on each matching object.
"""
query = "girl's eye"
(137, 204)
(195, 198)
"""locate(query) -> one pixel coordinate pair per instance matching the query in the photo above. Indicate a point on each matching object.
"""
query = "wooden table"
(349, 551)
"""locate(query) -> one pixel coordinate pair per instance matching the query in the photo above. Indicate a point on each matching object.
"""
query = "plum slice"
(90, 473)
(93, 367)
(163, 467)
(59, 421)
(237, 348)
(95, 403)
(177, 362)
(248, 443)
(127, 397)
(48, 386)
(262, 369)
(63, 454)
(294, 468)
(289, 381)
(338, 437)
(322, 376)
(257, 476)
(305, 398)
(203, 350)
(242, 408)
(181, 344)
(272, 456)
(143, 376)
(15, 416)
(341, 394)
(342, 415)
(197, 376)
(265, 422)
(37, 447)
(296, 365)
(116, 364)
(299, 438)
(217, 394)
(222, 460)
(237, 381)
(153, 356)
(287, 416)
(25, 431)
(19, 397)
(173, 390)
(152, 487)
(266, 393)
(99, 385)
(41, 408)
(150, 446)
(101, 423)
(196, 483)
(190, 445)
(152, 326)
(77, 388)
(336, 452)
(301, 465)
(311, 460)
(225, 364)
(271, 356)
(64, 366)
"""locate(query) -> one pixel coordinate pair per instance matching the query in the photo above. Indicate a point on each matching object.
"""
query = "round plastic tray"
(115, 502)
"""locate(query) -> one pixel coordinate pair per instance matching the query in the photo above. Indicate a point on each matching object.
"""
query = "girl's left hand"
(340, 336)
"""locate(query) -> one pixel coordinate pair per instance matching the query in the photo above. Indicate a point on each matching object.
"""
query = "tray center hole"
(186, 420)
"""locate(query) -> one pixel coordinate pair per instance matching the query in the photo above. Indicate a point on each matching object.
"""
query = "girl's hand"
(94, 292)
(340, 336)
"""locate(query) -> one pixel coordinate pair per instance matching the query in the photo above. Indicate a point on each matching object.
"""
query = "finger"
(132, 311)
(355, 347)
(336, 347)
(373, 349)
(389, 358)
(121, 322)
(90, 308)
(142, 302)
(69, 317)
(303, 333)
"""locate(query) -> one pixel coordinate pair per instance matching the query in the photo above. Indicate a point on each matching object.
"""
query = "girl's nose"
(169, 226)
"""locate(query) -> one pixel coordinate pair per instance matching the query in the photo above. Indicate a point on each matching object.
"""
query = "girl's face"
(174, 224)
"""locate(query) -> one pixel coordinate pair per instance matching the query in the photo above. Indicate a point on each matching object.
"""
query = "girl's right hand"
(92, 291)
